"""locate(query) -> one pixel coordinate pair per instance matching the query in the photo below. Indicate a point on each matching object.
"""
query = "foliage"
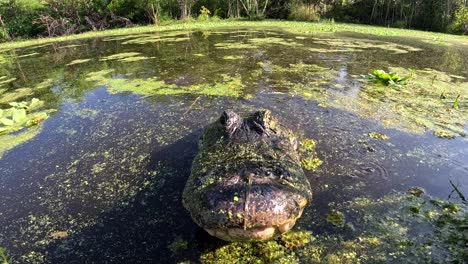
(460, 21)
(302, 12)
(382, 77)
(4, 259)
(20, 115)
(309, 159)
(204, 14)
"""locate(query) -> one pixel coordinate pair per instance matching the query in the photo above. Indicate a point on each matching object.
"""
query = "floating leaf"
(7, 122)
(19, 115)
(35, 103)
(457, 102)
(19, 105)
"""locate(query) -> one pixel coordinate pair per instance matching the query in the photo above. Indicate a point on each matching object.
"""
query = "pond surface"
(101, 178)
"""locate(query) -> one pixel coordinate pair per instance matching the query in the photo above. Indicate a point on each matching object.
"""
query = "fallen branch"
(193, 104)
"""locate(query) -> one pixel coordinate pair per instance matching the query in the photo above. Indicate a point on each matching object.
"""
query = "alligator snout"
(246, 181)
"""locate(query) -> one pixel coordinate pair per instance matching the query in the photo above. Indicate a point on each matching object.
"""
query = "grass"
(291, 26)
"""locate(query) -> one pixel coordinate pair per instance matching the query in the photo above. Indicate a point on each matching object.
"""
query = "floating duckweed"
(336, 218)
(309, 159)
(74, 62)
(227, 86)
(152, 39)
(359, 44)
(376, 135)
(279, 250)
(416, 191)
(307, 145)
(178, 245)
(28, 55)
(124, 57)
(274, 41)
(444, 134)
(311, 163)
(3, 81)
(330, 50)
(237, 45)
(71, 46)
(233, 57)
(15, 95)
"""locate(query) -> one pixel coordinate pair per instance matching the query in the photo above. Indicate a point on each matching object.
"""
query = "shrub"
(460, 23)
(303, 12)
(204, 14)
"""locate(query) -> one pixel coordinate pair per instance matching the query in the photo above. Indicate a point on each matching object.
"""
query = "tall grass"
(303, 12)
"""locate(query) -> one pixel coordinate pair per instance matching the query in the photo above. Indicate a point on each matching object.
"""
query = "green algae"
(120, 56)
(236, 45)
(376, 135)
(15, 95)
(225, 85)
(178, 245)
(233, 57)
(274, 41)
(351, 44)
(4, 80)
(308, 154)
(416, 108)
(79, 61)
(4, 259)
(154, 39)
(336, 218)
(279, 250)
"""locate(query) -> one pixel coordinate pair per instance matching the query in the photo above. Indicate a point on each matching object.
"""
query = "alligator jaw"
(254, 233)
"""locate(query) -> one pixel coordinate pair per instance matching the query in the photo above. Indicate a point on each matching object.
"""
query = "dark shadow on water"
(152, 227)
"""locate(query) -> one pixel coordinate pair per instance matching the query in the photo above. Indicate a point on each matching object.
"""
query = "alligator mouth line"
(254, 233)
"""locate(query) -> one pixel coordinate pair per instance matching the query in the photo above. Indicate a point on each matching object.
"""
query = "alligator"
(246, 182)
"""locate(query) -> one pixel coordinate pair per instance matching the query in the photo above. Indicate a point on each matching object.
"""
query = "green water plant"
(376, 135)
(456, 104)
(308, 154)
(388, 78)
(21, 115)
(4, 259)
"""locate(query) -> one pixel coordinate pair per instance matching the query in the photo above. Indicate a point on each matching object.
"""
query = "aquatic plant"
(225, 85)
(376, 135)
(336, 218)
(20, 115)
(79, 61)
(456, 104)
(4, 259)
(382, 77)
(308, 154)
(125, 57)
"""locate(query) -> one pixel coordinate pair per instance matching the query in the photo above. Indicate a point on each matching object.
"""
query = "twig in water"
(455, 188)
(193, 104)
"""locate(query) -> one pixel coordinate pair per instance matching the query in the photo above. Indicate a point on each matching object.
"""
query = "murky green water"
(101, 178)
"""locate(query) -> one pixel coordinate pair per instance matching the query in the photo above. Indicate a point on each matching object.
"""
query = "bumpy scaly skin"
(246, 182)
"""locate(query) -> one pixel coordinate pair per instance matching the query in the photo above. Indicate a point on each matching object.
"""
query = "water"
(102, 178)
